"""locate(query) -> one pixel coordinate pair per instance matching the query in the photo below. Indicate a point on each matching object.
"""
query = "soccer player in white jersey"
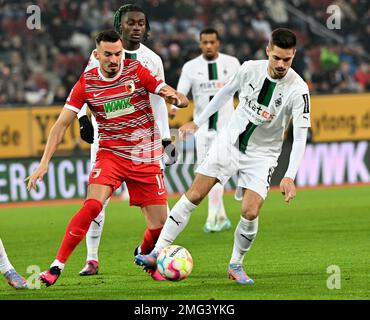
(131, 23)
(205, 75)
(270, 94)
(6, 268)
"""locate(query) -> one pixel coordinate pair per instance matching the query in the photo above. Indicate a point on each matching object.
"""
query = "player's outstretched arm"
(54, 139)
(173, 97)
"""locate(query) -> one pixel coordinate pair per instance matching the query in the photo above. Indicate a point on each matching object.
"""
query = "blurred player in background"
(130, 149)
(205, 75)
(12, 277)
(270, 93)
(131, 22)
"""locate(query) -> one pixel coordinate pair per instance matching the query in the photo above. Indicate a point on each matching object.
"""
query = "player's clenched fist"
(173, 97)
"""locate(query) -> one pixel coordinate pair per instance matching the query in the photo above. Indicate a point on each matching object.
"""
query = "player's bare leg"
(244, 235)
(178, 217)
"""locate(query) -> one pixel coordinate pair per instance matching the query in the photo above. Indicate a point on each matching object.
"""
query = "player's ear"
(267, 51)
(96, 54)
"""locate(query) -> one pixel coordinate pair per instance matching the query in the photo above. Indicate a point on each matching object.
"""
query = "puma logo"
(177, 222)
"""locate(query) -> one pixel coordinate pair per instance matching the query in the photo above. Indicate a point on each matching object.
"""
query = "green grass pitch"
(295, 245)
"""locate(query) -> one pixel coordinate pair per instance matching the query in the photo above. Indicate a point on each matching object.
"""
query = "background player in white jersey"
(132, 24)
(12, 277)
(270, 93)
(205, 75)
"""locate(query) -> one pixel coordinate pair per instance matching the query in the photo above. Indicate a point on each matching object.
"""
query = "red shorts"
(144, 181)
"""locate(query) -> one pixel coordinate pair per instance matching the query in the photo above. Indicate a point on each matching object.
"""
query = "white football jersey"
(268, 104)
(205, 78)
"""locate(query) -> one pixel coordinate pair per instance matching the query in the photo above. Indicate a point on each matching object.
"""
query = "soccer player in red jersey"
(117, 93)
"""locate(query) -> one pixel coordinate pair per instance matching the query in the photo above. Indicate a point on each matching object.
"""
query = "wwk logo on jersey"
(117, 108)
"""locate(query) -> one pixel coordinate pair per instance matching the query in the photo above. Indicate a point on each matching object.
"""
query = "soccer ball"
(174, 263)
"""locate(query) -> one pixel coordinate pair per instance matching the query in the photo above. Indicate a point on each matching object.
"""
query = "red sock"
(78, 227)
(150, 238)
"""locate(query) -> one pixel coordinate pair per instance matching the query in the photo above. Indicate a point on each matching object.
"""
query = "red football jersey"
(122, 110)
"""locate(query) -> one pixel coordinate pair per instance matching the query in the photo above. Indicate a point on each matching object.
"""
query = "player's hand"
(37, 175)
(86, 129)
(170, 153)
(171, 96)
(187, 129)
(287, 188)
(172, 113)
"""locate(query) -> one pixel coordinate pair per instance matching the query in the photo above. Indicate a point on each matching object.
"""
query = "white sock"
(244, 235)
(57, 263)
(93, 236)
(175, 223)
(5, 264)
(215, 203)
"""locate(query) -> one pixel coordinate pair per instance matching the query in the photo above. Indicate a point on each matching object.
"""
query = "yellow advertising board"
(42, 119)
(14, 133)
(24, 132)
(340, 117)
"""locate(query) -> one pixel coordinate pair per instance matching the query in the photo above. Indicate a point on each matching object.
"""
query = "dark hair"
(283, 38)
(209, 31)
(107, 36)
(129, 8)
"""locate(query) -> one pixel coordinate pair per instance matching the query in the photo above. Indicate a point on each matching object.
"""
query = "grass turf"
(289, 259)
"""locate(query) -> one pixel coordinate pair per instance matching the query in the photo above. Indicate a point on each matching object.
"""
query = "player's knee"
(250, 212)
(93, 208)
(195, 196)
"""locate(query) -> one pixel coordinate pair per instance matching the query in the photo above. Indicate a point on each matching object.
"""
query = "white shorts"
(223, 160)
(203, 142)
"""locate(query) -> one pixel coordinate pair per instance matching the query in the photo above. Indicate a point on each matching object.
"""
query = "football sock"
(5, 264)
(77, 228)
(244, 235)
(150, 238)
(93, 236)
(175, 223)
(216, 209)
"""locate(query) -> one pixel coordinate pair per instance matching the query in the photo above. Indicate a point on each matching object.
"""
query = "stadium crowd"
(39, 66)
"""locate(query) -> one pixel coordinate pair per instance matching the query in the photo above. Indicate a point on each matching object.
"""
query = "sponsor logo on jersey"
(257, 112)
(118, 108)
(211, 86)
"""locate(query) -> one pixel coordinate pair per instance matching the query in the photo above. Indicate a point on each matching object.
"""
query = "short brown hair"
(283, 38)
(107, 36)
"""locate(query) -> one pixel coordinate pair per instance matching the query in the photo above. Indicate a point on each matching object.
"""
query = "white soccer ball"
(174, 263)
